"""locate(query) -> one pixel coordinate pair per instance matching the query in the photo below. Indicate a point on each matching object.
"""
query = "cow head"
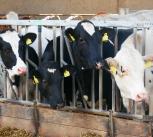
(85, 41)
(9, 50)
(50, 78)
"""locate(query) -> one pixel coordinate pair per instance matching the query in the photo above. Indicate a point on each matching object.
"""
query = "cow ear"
(29, 38)
(70, 34)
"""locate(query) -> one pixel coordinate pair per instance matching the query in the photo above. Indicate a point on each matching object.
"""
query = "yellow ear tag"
(148, 64)
(72, 38)
(113, 70)
(105, 37)
(28, 41)
(66, 73)
(35, 80)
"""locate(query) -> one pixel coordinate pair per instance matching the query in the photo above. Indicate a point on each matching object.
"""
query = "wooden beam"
(58, 123)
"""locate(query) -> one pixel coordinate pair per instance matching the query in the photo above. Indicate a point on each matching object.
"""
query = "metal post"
(101, 81)
(93, 88)
(39, 43)
(55, 43)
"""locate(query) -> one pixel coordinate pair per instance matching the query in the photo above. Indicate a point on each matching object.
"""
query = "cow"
(50, 76)
(128, 67)
(10, 46)
(86, 47)
(87, 41)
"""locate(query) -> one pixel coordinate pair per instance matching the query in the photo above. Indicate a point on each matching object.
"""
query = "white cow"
(128, 67)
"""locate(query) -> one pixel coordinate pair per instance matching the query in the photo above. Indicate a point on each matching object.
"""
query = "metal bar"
(39, 43)
(32, 63)
(100, 23)
(37, 94)
(93, 89)
(73, 90)
(55, 43)
(100, 89)
(5, 83)
(61, 58)
(111, 124)
(114, 88)
(27, 75)
(69, 50)
(101, 81)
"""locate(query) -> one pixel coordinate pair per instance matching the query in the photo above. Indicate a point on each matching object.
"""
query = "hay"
(14, 132)
(90, 134)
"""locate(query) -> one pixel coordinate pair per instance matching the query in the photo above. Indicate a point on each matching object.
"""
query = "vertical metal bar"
(54, 43)
(113, 94)
(100, 90)
(39, 43)
(114, 88)
(27, 75)
(111, 124)
(5, 84)
(101, 81)
(37, 93)
(73, 89)
(134, 105)
(61, 48)
(93, 88)
(61, 57)
(73, 63)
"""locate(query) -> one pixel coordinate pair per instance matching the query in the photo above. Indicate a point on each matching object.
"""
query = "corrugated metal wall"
(71, 6)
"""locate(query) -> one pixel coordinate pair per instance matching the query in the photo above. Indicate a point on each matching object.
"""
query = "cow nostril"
(98, 65)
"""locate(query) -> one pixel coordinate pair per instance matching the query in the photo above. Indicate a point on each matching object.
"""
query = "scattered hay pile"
(14, 132)
(90, 134)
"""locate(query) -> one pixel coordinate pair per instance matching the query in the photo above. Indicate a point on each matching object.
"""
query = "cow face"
(128, 70)
(9, 49)
(50, 78)
(85, 41)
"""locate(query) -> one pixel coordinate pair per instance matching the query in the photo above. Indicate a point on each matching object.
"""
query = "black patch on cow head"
(7, 54)
(48, 54)
(24, 43)
(50, 79)
(85, 46)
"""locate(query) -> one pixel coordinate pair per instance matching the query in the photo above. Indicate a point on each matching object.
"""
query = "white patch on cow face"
(50, 70)
(13, 38)
(88, 27)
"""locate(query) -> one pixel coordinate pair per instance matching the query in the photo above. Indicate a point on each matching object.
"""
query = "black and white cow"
(10, 46)
(50, 75)
(87, 43)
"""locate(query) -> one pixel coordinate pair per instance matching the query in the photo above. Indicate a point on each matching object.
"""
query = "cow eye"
(81, 40)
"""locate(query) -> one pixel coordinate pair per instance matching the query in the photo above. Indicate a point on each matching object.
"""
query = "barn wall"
(71, 6)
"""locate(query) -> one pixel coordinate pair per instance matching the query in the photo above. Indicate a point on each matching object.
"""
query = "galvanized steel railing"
(63, 24)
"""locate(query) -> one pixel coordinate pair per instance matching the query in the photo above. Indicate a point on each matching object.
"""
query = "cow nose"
(98, 65)
(22, 70)
(143, 96)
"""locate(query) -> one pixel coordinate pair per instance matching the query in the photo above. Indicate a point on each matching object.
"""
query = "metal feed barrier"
(63, 24)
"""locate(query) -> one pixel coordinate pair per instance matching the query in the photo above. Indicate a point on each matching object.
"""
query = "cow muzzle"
(143, 96)
(22, 70)
(99, 65)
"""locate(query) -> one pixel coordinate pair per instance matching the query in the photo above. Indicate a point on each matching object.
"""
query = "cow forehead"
(12, 38)
(88, 27)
